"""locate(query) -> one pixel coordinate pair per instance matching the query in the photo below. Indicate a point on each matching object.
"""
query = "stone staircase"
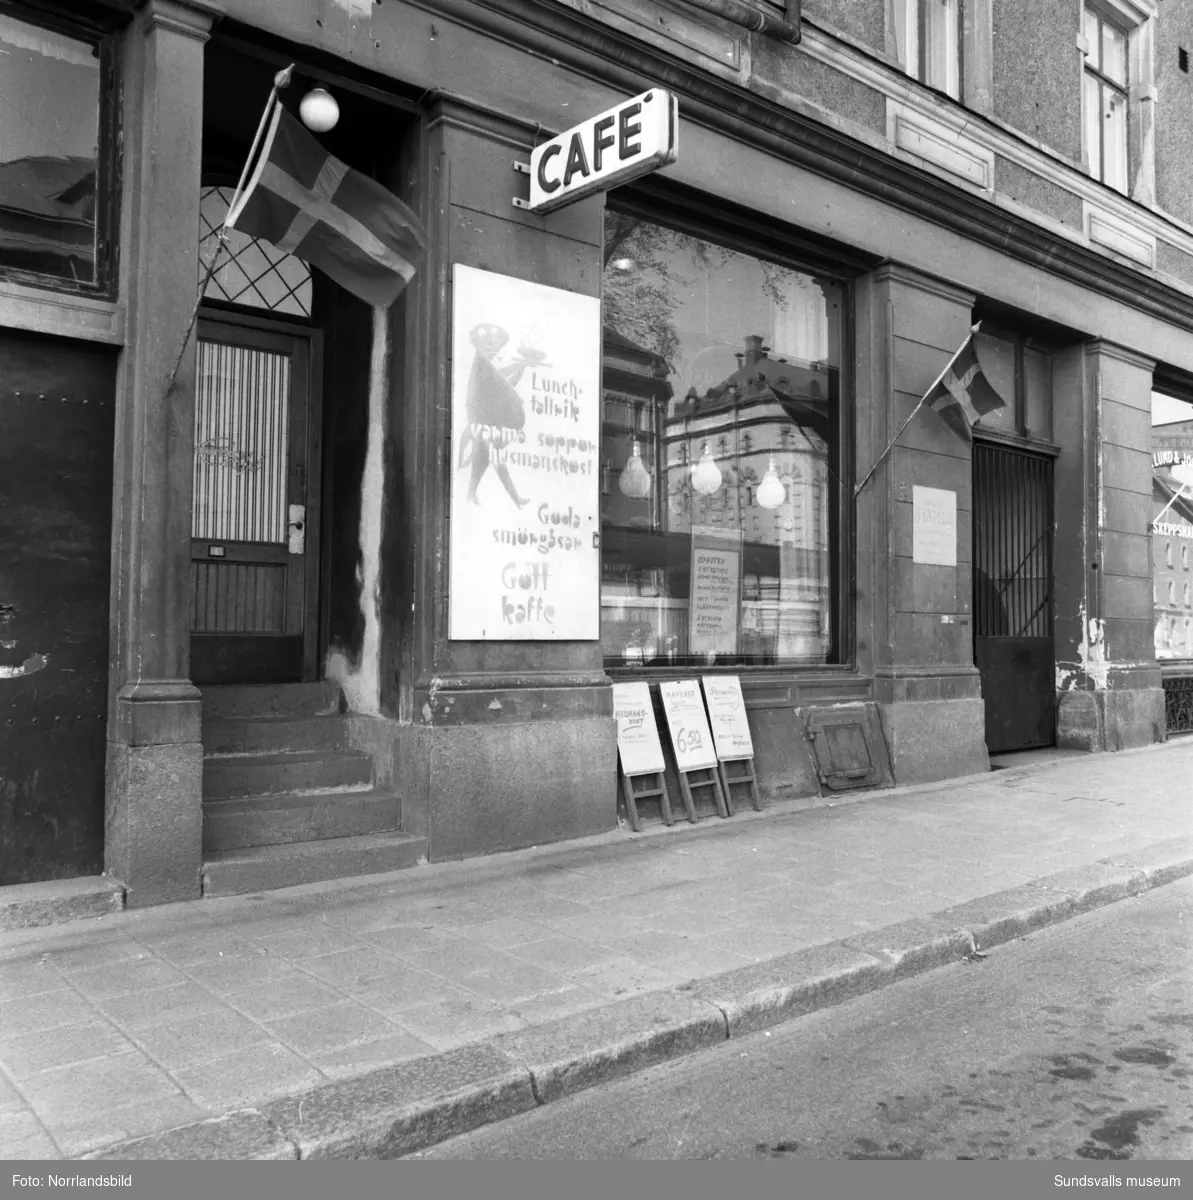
(286, 799)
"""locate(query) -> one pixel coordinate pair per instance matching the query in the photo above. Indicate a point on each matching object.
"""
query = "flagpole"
(911, 415)
(280, 80)
(1175, 497)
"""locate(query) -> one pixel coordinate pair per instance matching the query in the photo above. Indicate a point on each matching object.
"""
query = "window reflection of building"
(769, 415)
(1172, 524)
(50, 185)
(720, 429)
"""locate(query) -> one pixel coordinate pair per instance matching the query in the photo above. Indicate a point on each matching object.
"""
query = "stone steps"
(238, 776)
(277, 820)
(286, 800)
(271, 735)
(234, 872)
(255, 701)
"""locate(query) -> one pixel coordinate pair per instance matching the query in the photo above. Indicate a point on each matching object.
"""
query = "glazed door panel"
(253, 549)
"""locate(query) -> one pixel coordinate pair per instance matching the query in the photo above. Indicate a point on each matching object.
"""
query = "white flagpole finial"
(282, 78)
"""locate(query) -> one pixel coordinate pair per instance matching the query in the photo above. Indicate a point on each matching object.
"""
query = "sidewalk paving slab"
(375, 1017)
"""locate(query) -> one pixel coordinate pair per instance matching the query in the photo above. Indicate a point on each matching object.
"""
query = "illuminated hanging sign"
(633, 139)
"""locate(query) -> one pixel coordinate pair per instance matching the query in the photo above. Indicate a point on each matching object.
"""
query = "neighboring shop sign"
(1173, 529)
(688, 725)
(637, 735)
(934, 526)
(525, 484)
(714, 603)
(636, 137)
(727, 715)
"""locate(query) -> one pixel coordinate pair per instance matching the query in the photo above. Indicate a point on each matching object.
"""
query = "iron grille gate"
(1012, 595)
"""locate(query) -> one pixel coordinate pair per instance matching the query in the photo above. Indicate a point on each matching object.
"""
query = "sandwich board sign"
(688, 725)
(631, 139)
(727, 715)
(637, 735)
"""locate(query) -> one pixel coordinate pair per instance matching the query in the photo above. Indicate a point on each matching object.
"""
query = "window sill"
(61, 314)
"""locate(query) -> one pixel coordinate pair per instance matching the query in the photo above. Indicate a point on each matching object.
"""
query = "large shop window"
(52, 189)
(720, 454)
(1172, 525)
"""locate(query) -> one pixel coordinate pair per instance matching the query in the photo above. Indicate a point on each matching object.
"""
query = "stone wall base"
(935, 739)
(153, 837)
(479, 789)
(1110, 720)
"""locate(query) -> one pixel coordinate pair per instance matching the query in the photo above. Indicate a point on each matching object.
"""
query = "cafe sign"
(636, 137)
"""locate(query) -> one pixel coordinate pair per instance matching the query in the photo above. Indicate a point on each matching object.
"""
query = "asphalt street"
(1074, 1043)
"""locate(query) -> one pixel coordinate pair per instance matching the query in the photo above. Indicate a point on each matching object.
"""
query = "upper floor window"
(1119, 94)
(54, 208)
(1105, 99)
(928, 33)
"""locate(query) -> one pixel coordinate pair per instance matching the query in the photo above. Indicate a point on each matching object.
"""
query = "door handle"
(296, 537)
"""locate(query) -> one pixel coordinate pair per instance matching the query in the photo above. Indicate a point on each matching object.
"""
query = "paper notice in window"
(714, 605)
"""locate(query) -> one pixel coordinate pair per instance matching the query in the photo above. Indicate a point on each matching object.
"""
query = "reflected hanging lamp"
(634, 480)
(706, 475)
(771, 492)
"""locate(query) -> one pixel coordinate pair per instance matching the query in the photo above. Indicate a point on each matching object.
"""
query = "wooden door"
(254, 529)
(1012, 596)
(57, 400)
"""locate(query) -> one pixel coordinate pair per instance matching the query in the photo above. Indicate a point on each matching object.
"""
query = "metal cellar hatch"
(848, 747)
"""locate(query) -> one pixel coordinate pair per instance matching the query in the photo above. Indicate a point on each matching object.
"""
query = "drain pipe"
(749, 17)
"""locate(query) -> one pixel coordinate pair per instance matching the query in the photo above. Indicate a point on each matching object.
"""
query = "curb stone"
(244, 1134)
(410, 1107)
(602, 1044)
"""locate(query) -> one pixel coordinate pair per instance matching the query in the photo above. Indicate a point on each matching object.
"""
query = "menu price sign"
(688, 725)
(727, 715)
(525, 560)
(637, 735)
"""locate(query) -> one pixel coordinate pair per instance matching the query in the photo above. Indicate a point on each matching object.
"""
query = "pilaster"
(154, 771)
(1109, 693)
(914, 622)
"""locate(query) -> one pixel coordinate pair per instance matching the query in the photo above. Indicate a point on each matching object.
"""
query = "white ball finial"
(319, 110)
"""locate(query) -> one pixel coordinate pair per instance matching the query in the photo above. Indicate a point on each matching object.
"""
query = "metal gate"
(1012, 595)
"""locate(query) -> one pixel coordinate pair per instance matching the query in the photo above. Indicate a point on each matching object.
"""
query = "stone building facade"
(227, 655)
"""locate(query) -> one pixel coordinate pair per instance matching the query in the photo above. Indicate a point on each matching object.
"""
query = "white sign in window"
(525, 480)
(934, 526)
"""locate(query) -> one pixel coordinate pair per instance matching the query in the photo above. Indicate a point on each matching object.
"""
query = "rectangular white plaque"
(934, 526)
